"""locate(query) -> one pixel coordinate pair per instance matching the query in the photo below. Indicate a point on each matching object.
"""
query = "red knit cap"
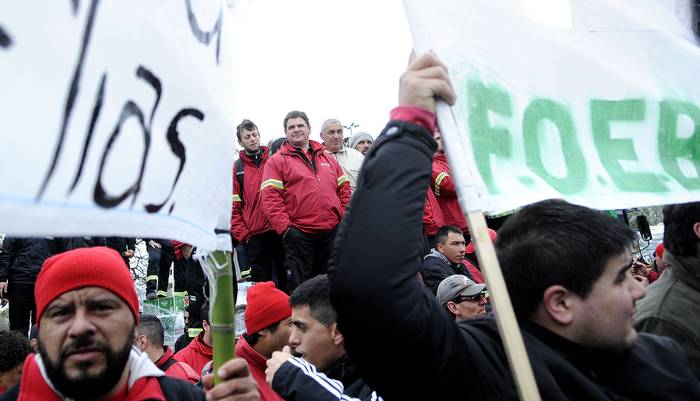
(266, 305)
(84, 267)
(660, 250)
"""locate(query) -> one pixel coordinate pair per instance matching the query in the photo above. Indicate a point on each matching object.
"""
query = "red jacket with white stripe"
(309, 194)
(432, 215)
(444, 189)
(247, 217)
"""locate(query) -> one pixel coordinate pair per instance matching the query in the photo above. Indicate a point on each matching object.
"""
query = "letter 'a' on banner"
(592, 101)
(115, 119)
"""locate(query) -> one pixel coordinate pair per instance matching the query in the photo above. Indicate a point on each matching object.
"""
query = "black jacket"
(298, 380)
(406, 347)
(436, 268)
(120, 244)
(65, 244)
(21, 258)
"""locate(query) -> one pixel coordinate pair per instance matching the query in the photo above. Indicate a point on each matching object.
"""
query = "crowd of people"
(367, 287)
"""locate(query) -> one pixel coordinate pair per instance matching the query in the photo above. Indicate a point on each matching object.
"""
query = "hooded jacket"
(196, 354)
(146, 382)
(310, 195)
(176, 369)
(257, 365)
(436, 268)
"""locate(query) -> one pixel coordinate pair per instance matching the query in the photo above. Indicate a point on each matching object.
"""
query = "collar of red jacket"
(143, 383)
(287, 149)
(200, 347)
(440, 156)
(253, 357)
(243, 156)
(167, 354)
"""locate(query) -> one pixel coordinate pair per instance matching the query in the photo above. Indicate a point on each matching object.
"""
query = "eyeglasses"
(470, 298)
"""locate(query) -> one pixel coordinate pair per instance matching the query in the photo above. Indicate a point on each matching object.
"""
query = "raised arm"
(405, 346)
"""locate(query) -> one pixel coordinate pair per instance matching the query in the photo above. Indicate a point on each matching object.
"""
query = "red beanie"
(660, 250)
(266, 305)
(84, 267)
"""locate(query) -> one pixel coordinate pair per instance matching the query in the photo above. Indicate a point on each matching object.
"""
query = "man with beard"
(87, 309)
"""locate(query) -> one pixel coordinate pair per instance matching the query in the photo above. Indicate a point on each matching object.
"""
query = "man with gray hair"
(462, 298)
(350, 160)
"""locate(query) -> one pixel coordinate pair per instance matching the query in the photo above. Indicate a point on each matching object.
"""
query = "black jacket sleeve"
(6, 257)
(298, 380)
(404, 345)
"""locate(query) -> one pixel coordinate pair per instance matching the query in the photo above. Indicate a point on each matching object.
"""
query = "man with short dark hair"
(150, 340)
(87, 310)
(672, 304)
(249, 224)
(198, 352)
(462, 298)
(566, 268)
(350, 160)
(316, 338)
(304, 195)
(445, 259)
(14, 348)
(267, 320)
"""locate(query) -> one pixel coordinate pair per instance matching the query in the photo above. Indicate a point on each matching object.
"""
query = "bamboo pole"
(222, 309)
(505, 317)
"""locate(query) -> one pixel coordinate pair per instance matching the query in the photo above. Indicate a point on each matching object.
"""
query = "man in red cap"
(267, 322)
(87, 310)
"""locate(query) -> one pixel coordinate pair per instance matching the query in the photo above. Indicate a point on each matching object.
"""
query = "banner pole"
(223, 325)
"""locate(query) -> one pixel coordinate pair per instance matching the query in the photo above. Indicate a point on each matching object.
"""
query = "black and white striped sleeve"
(298, 380)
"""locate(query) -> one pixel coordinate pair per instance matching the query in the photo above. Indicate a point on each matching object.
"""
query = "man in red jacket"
(198, 352)
(249, 224)
(149, 340)
(267, 322)
(87, 310)
(444, 189)
(304, 194)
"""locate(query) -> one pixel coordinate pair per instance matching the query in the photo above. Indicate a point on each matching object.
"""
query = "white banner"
(115, 119)
(594, 101)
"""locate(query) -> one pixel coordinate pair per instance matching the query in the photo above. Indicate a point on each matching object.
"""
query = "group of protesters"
(367, 288)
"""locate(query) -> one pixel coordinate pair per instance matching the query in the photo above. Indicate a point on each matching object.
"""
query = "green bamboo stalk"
(222, 309)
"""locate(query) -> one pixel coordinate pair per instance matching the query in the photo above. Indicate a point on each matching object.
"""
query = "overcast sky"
(329, 58)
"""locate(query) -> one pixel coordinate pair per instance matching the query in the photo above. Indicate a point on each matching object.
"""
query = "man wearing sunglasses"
(463, 298)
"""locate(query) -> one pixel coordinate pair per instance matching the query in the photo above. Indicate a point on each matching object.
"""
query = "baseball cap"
(456, 285)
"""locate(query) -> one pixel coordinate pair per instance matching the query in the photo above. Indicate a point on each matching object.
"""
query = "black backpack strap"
(239, 178)
(170, 362)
